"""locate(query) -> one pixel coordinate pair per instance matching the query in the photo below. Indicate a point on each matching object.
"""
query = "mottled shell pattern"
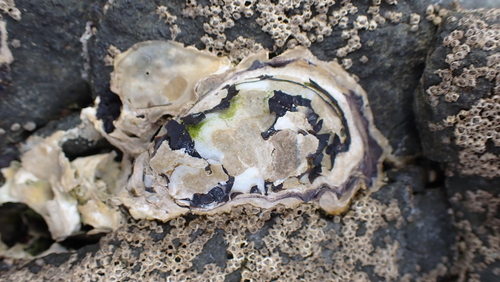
(286, 130)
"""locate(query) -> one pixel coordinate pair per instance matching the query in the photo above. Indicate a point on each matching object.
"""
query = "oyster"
(198, 135)
(267, 131)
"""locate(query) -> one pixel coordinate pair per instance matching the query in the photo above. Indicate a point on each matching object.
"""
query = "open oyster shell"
(268, 131)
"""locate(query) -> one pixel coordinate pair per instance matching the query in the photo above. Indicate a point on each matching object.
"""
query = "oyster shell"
(154, 80)
(67, 194)
(283, 130)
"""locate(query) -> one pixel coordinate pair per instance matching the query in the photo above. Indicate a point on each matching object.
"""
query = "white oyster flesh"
(285, 130)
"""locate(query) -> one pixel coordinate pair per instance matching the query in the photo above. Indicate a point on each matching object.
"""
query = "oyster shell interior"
(283, 130)
(154, 80)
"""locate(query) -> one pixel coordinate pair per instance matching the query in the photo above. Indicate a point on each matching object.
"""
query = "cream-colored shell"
(65, 193)
(158, 189)
(154, 80)
(163, 82)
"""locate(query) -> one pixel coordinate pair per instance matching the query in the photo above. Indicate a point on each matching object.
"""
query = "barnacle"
(285, 130)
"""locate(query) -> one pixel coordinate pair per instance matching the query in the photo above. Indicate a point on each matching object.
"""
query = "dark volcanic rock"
(452, 104)
(47, 69)
(438, 140)
(427, 235)
(476, 205)
(388, 81)
(47, 85)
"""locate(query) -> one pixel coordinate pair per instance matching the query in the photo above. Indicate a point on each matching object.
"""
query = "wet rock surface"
(443, 232)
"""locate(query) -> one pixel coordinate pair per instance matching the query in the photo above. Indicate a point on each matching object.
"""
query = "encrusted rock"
(379, 238)
(403, 232)
(458, 102)
(458, 107)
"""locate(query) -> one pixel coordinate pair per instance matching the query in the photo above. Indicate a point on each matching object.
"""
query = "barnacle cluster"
(477, 252)
(162, 12)
(475, 127)
(290, 23)
(254, 244)
(464, 95)
(435, 13)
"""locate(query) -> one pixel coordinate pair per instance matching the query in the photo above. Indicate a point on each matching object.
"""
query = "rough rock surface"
(47, 81)
(476, 202)
(457, 106)
(392, 236)
(460, 82)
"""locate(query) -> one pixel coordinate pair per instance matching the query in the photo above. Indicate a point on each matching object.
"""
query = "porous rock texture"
(457, 106)
(415, 228)
(380, 238)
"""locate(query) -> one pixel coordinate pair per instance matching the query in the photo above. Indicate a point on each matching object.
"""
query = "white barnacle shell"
(285, 130)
